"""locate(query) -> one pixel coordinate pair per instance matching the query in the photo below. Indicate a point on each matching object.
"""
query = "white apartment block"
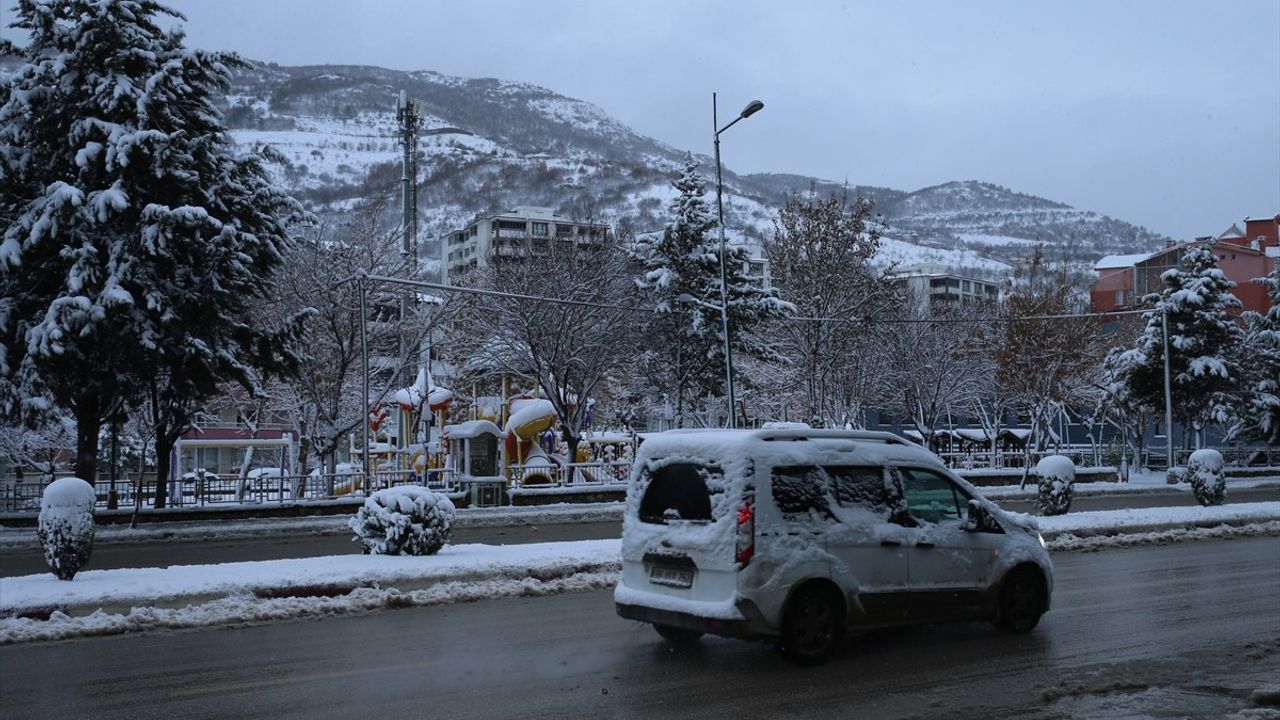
(932, 284)
(512, 234)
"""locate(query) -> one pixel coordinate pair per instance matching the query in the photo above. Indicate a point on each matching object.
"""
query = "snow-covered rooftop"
(471, 429)
(1119, 261)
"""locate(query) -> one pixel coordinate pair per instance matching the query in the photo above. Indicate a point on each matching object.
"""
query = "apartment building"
(513, 234)
(932, 285)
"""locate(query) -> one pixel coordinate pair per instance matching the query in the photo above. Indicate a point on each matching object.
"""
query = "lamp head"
(752, 108)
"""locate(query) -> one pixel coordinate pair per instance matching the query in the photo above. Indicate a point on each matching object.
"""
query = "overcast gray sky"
(1162, 113)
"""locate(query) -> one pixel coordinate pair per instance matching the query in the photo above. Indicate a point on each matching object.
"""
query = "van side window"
(678, 491)
(801, 492)
(861, 487)
(932, 497)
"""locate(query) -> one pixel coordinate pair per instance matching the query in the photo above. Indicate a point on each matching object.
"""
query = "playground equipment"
(530, 418)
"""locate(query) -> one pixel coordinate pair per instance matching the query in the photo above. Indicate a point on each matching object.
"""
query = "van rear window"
(678, 492)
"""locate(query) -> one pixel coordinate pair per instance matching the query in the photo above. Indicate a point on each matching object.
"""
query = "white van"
(803, 535)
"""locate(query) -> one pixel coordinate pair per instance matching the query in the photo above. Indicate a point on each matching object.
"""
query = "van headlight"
(1043, 544)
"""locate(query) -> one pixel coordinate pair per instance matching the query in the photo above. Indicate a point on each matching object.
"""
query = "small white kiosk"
(474, 459)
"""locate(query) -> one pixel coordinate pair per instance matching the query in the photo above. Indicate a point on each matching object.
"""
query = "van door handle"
(890, 543)
(924, 544)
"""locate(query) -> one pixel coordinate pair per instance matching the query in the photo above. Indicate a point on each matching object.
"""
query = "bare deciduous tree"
(568, 351)
(323, 401)
(820, 261)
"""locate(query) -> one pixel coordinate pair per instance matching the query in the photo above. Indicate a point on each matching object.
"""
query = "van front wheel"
(678, 636)
(1021, 601)
(812, 628)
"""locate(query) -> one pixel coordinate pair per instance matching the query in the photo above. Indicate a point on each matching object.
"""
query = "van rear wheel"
(677, 636)
(812, 627)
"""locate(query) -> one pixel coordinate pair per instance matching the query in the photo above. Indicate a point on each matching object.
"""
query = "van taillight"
(745, 545)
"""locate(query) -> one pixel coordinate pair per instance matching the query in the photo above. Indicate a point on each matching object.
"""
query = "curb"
(406, 585)
(1266, 524)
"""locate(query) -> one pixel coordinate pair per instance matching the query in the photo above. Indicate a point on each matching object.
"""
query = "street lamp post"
(752, 108)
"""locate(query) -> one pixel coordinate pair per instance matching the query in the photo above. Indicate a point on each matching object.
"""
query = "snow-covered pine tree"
(683, 352)
(1259, 416)
(136, 237)
(1205, 343)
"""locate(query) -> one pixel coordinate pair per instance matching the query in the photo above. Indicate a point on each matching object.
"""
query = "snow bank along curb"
(1142, 520)
(178, 585)
(39, 607)
(328, 524)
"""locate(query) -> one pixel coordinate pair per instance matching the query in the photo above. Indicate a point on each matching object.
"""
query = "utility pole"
(1168, 394)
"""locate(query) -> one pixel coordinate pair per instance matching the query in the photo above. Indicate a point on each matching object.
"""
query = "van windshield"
(680, 491)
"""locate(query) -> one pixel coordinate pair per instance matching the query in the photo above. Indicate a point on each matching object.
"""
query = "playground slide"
(529, 419)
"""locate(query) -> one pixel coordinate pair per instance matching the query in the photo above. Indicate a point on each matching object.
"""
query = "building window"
(510, 225)
(540, 229)
(1119, 297)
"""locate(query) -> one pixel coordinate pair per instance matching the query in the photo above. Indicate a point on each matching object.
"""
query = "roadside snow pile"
(249, 609)
(1055, 478)
(1208, 481)
(135, 599)
(1102, 522)
(403, 520)
(66, 527)
(1070, 542)
(179, 585)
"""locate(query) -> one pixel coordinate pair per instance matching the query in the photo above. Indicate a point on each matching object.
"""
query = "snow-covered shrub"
(66, 525)
(1208, 481)
(403, 520)
(1176, 474)
(1055, 480)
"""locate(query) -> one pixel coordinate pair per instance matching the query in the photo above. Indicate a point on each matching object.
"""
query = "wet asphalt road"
(1183, 630)
(162, 553)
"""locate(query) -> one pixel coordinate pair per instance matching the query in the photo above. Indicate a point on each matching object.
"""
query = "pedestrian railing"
(975, 460)
(571, 475)
(210, 489)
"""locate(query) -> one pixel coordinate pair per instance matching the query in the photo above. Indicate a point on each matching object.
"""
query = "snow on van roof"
(779, 446)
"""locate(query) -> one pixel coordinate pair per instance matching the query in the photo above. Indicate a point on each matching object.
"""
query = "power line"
(793, 318)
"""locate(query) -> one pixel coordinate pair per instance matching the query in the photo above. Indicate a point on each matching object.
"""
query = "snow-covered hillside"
(489, 145)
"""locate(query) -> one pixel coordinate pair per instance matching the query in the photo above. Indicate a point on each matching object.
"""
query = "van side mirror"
(977, 520)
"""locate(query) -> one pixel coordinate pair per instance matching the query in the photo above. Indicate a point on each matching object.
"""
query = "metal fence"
(571, 475)
(974, 460)
(274, 488)
(210, 489)
(1110, 454)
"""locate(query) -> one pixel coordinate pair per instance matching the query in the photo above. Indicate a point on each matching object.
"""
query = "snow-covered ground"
(129, 599)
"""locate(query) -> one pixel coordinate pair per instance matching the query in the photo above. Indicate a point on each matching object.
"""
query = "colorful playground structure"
(507, 442)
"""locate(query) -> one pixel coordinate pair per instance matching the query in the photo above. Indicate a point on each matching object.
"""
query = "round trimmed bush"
(65, 526)
(1055, 483)
(404, 520)
(1208, 480)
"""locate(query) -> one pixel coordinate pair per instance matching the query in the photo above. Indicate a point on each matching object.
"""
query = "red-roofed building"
(1244, 256)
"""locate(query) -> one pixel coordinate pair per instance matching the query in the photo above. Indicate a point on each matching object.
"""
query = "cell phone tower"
(408, 113)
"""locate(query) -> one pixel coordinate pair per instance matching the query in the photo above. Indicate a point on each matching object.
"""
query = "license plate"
(675, 577)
